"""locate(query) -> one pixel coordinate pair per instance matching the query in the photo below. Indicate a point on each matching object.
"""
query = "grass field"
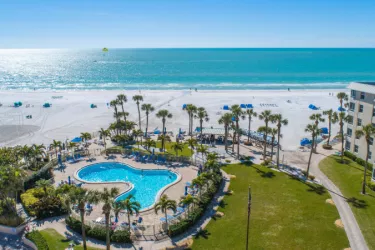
(348, 178)
(286, 214)
(56, 241)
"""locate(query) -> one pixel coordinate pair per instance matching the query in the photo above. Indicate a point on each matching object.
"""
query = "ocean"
(175, 69)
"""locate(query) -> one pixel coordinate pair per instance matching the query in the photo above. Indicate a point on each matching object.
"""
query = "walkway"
(10, 242)
(353, 232)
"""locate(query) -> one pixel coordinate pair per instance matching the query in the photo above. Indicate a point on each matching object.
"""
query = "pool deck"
(175, 191)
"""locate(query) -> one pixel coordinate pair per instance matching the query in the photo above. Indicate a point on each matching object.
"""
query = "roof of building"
(368, 87)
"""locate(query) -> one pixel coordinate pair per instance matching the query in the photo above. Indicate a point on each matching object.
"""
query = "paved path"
(353, 232)
(10, 242)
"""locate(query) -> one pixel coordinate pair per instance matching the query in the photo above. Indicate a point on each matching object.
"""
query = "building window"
(360, 108)
(373, 111)
(352, 106)
(356, 148)
(362, 95)
(359, 122)
(350, 119)
(349, 132)
(352, 93)
(371, 140)
(347, 145)
(369, 154)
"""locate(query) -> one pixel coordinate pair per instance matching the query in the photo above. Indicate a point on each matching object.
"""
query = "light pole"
(248, 218)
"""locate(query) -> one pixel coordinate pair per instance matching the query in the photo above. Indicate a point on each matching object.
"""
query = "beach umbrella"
(188, 184)
(250, 106)
(341, 109)
(77, 140)
(243, 106)
(226, 107)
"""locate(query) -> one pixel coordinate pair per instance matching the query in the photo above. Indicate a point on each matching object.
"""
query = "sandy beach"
(70, 113)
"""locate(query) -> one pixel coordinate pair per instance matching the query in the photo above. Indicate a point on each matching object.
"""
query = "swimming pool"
(146, 183)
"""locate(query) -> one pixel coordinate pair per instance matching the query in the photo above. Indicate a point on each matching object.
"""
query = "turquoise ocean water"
(216, 69)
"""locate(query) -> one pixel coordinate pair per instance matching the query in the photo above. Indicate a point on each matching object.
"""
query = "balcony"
(373, 120)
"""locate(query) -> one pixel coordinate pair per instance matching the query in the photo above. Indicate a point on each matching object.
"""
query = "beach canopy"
(93, 106)
(249, 106)
(324, 130)
(156, 131)
(226, 107)
(46, 105)
(305, 142)
(313, 107)
(184, 106)
(341, 109)
(76, 140)
(233, 118)
(243, 106)
(198, 129)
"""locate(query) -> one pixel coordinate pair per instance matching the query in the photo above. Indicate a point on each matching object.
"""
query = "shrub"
(48, 207)
(28, 199)
(228, 161)
(75, 225)
(371, 186)
(121, 236)
(98, 232)
(266, 162)
(11, 220)
(38, 239)
(44, 173)
(350, 155)
(311, 177)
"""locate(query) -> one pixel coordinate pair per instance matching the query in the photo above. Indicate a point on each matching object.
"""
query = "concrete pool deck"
(175, 191)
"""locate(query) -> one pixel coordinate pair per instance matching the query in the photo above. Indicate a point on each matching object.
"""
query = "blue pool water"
(147, 183)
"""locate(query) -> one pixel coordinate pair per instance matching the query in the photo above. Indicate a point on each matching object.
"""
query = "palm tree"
(85, 137)
(264, 130)
(37, 150)
(44, 184)
(314, 130)
(121, 98)
(138, 99)
(164, 205)
(188, 200)
(107, 197)
(71, 145)
(273, 132)
(163, 114)
(191, 110)
(138, 133)
(317, 118)
(202, 116)
(163, 139)
(342, 96)
(199, 182)
(368, 132)
(191, 142)
(55, 145)
(267, 117)
(203, 150)
(280, 121)
(114, 104)
(226, 120)
(177, 147)
(104, 133)
(82, 196)
(131, 206)
(237, 113)
(250, 114)
(149, 143)
(332, 119)
(148, 108)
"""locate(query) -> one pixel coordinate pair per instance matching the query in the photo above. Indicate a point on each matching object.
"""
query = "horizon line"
(193, 48)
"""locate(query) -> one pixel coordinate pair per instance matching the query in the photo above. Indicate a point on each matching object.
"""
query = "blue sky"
(186, 23)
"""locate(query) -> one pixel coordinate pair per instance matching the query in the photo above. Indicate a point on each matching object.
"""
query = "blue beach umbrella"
(76, 140)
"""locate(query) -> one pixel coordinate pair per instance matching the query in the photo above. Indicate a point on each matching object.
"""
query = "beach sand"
(70, 115)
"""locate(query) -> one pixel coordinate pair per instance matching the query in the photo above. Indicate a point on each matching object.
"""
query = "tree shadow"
(222, 204)
(344, 161)
(357, 203)
(318, 189)
(264, 174)
(202, 233)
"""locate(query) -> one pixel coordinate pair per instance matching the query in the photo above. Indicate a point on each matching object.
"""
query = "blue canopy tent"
(305, 142)
(93, 106)
(233, 118)
(157, 132)
(324, 130)
(46, 105)
(226, 107)
(198, 129)
(184, 106)
(249, 106)
(313, 107)
(243, 106)
(341, 109)
(77, 140)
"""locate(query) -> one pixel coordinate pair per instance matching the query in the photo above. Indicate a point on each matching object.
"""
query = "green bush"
(99, 233)
(11, 220)
(44, 173)
(371, 186)
(75, 225)
(121, 236)
(38, 239)
(350, 155)
(28, 199)
(311, 177)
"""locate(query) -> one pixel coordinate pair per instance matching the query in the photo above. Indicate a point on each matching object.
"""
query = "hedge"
(99, 232)
(38, 239)
(204, 201)
(358, 160)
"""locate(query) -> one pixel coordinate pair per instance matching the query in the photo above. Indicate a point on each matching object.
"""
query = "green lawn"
(56, 241)
(348, 178)
(168, 147)
(286, 214)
